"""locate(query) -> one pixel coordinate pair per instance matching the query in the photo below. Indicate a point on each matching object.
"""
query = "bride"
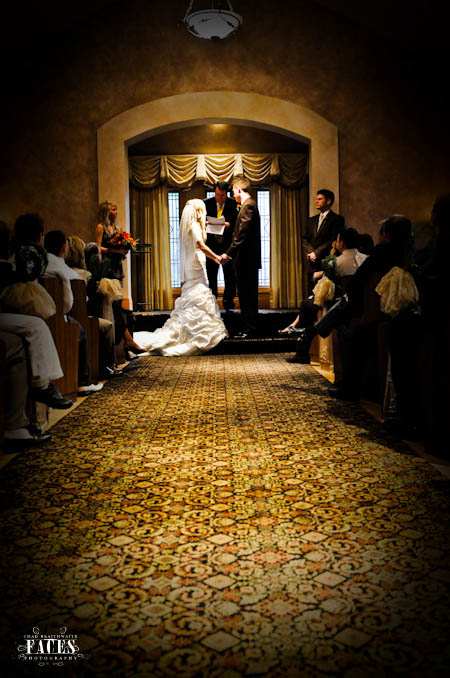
(195, 325)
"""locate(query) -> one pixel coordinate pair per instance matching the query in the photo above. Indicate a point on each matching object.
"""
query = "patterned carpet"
(218, 517)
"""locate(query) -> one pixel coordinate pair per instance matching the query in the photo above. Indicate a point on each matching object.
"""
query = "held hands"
(224, 258)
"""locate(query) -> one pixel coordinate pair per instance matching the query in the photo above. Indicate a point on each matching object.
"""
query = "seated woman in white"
(195, 325)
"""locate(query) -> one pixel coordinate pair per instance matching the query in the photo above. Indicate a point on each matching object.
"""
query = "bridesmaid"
(106, 228)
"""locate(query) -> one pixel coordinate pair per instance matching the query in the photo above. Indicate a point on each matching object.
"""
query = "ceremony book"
(215, 225)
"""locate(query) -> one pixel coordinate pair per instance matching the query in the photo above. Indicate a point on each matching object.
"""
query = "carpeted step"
(267, 340)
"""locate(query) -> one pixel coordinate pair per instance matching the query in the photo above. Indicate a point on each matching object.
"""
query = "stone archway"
(181, 110)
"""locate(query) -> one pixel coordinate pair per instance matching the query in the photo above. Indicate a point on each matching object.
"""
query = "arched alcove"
(257, 110)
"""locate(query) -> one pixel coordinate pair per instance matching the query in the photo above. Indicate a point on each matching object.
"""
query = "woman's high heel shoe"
(135, 350)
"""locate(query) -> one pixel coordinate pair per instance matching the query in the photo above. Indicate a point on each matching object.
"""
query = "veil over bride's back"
(195, 325)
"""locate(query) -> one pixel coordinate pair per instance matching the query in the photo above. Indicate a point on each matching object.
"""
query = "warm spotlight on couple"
(195, 325)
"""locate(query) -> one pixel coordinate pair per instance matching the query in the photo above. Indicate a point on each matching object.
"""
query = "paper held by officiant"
(215, 225)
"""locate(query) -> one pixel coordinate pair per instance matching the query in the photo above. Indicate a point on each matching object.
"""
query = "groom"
(245, 256)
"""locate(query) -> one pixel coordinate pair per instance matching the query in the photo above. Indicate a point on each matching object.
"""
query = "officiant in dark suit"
(321, 231)
(221, 206)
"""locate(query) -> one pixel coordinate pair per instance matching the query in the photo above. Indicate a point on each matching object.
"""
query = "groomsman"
(245, 255)
(221, 205)
(321, 231)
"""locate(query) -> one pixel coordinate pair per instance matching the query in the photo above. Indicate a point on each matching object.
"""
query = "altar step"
(267, 340)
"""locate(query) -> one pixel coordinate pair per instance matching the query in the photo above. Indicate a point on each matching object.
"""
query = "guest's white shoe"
(91, 388)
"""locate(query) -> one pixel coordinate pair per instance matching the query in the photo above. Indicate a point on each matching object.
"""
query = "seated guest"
(75, 259)
(346, 263)
(365, 243)
(55, 243)
(350, 258)
(394, 250)
(33, 331)
(7, 274)
(20, 433)
(42, 355)
(433, 288)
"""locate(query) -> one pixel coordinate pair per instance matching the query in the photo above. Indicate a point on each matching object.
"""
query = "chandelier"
(212, 24)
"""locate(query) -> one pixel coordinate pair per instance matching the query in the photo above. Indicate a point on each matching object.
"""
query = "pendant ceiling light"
(216, 23)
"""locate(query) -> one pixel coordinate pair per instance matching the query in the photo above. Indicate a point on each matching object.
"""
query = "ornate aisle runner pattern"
(221, 516)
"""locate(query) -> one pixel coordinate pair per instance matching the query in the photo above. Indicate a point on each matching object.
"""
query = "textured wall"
(393, 157)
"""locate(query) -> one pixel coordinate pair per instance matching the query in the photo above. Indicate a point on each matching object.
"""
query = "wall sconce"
(212, 24)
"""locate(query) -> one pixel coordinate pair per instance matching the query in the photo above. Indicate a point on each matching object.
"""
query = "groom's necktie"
(321, 220)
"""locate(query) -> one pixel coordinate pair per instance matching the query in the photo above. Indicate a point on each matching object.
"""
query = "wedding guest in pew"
(75, 259)
(340, 263)
(394, 254)
(55, 243)
(7, 271)
(33, 334)
(435, 372)
(20, 432)
(365, 243)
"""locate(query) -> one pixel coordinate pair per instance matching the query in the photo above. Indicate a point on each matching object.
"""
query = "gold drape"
(289, 211)
(149, 214)
(182, 171)
(285, 172)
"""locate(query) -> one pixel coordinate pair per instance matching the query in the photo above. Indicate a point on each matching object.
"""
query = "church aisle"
(220, 516)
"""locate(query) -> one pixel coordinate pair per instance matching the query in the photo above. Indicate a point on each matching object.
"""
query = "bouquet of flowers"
(329, 266)
(123, 240)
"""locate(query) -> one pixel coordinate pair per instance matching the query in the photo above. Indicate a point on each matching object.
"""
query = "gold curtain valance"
(182, 171)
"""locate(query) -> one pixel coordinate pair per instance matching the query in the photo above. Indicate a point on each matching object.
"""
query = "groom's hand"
(225, 258)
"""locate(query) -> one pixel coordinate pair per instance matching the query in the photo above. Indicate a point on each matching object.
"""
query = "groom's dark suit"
(245, 252)
(219, 245)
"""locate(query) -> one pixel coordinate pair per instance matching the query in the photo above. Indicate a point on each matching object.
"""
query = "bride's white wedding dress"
(195, 325)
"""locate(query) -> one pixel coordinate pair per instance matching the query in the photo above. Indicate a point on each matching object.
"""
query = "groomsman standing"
(321, 231)
(245, 255)
(221, 206)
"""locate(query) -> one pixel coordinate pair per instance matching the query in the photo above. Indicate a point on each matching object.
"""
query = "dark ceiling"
(413, 23)
(218, 138)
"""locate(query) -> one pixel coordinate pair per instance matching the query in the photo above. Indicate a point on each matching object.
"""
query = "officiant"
(221, 206)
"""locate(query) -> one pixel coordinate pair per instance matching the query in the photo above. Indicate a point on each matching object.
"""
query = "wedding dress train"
(194, 325)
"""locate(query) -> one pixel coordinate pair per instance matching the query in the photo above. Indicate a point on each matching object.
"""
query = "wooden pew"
(90, 323)
(65, 336)
(372, 329)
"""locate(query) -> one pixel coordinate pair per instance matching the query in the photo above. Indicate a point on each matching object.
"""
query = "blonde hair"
(195, 210)
(103, 217)
(75, 256)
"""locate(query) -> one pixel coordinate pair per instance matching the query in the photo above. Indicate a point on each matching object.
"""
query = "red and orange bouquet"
(123, 241)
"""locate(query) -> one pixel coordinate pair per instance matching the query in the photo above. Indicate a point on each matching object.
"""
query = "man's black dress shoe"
(299, 358)
(341, 393)
(22, 439)
(50, 396)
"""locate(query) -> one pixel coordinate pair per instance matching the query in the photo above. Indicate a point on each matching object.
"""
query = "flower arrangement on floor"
(123, 240)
